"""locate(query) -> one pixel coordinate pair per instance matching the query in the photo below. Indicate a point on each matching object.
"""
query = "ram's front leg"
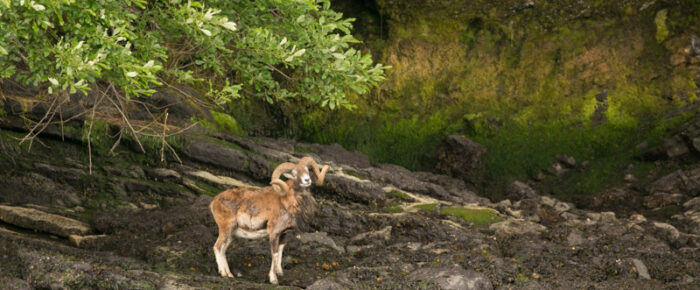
(282, 243)
(274, 249)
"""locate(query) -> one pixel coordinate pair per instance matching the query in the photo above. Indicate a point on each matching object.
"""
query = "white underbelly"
(257, 234)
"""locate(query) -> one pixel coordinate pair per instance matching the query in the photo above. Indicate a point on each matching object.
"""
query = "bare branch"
(116, 143)
(126, 120)
(279, 71)
(41, 122)
(92, 122)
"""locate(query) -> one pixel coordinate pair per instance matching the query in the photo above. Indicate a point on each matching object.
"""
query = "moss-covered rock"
(586, 78)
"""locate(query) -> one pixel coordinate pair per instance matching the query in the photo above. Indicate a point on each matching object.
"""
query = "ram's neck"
(306, 207)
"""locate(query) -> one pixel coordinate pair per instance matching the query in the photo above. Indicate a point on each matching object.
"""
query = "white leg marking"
(273, 277)
(221, 261)
(278, 265)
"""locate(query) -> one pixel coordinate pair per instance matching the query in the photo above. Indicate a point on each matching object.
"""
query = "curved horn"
(277, 184)
(320, 174)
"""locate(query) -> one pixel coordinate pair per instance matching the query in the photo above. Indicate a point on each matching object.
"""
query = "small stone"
(569, 216)
(539, 176)
(557, 169)
(594, 216)
(414, 246)
(641, 269)
(575, 238)
(607, 217)
(505, 203)
(548, 201)
(373, 236)
(696, 143)
(320, 238)
(666, 231)
(693, 203)
(515, 213)
(566, 160)
(90, 241)
(675, 146)
(148, 205)
(637, 218)
(561, 206)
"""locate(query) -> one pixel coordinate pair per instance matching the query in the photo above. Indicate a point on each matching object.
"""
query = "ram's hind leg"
(220, 247)
(227, 222)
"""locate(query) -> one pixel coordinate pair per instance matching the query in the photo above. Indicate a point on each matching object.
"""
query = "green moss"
(393, 207)
(480, 217)
(227, 123)
(355, 174)
(303, 150)
(661, 29)
(207, 188)
(222, 122)
(100, 139)
(430, 207)
(399, 195)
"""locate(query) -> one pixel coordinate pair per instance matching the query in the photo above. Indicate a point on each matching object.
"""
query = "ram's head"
(299, 173)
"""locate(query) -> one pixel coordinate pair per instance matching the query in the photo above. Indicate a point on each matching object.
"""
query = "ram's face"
(300, 175)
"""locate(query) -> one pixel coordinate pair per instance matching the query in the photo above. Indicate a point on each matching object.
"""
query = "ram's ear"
(291, 175)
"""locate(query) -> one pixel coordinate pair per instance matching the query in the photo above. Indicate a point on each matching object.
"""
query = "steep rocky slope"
(136, 222)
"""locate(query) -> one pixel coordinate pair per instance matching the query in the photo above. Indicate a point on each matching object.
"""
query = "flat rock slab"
(224, 181)
(38, 220)
(452, 278)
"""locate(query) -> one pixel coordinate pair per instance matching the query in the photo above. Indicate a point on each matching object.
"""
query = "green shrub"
(273, 50)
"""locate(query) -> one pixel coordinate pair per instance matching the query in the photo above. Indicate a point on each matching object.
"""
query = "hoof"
(226, 274)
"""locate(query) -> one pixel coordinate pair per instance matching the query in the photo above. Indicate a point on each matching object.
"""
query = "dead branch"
(92, 122)
(126, 120)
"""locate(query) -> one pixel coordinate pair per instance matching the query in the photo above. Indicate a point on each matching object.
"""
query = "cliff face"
(528, 79)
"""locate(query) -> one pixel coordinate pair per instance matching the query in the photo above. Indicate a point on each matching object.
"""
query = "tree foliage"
(270, 49)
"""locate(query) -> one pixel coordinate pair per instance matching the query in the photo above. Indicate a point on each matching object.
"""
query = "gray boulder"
(37, 189)
(460, 157)
(519, 190)
(352, 188)
(217, 155)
